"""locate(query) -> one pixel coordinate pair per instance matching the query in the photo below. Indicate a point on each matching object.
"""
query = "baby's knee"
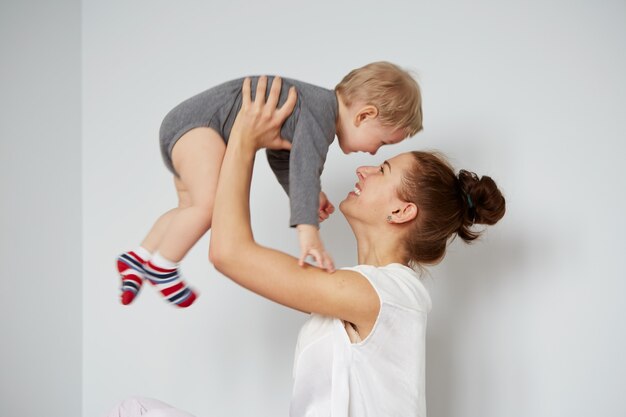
(204, 211)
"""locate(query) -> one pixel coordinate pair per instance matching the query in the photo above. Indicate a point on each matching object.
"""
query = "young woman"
(362, 351)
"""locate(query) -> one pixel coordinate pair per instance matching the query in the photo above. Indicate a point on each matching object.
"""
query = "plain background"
(527, 322)
(40, 209)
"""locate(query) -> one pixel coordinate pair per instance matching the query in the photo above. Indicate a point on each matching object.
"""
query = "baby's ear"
(366, 112)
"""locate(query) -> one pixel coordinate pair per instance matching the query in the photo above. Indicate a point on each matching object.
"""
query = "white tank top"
(381, 376)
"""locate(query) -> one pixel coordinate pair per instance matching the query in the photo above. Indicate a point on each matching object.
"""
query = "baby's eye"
(382, 171)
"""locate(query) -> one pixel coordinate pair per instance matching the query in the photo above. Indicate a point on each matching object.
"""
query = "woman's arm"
(270, 273)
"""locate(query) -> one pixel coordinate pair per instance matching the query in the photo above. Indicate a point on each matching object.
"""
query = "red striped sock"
(131, 265)
(164, 275)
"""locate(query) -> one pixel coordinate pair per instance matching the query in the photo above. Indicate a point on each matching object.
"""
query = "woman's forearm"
(231, 229)
(257, 125)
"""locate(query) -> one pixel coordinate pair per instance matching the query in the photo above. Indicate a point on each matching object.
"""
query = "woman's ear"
(404, 214)
(365, 113)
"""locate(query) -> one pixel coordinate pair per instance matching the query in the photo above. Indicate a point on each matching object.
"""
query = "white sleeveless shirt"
(381, 376)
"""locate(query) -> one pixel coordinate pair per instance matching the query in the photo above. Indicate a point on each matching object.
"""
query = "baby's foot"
(164, 275)
(131, 268)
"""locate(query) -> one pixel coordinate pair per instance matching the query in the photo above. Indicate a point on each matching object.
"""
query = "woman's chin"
(344, 208)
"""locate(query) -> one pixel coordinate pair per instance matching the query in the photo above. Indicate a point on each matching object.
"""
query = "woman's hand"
(258, 122)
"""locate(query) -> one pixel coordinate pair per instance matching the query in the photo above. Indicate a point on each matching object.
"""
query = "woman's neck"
(379, 249)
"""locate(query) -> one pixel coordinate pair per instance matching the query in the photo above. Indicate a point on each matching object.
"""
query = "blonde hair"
(392, 90)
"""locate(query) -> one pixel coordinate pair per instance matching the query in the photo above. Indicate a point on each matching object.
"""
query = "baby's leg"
(131, 265)
(197, 157)
(155, 235)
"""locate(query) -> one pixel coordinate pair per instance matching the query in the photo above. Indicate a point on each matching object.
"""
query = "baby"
(378, 104)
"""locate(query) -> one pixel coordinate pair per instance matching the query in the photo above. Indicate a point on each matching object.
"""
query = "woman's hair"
(448, 205)
(392, 90)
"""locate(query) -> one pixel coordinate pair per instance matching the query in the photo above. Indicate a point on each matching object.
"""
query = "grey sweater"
(310, 129)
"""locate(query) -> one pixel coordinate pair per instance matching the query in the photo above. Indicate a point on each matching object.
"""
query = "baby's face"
(369, 136)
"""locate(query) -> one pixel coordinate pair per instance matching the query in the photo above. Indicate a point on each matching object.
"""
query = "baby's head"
(379, 104)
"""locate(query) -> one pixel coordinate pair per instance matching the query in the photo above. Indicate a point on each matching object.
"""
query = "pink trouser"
(145, 407)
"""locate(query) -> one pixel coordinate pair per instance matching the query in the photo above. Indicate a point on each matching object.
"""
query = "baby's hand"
(311, 245)
(326, 207)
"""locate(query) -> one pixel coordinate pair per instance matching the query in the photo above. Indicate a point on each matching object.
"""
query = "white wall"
(40, 209)
(525, 323)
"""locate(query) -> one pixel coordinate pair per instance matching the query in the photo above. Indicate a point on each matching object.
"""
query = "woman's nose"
(363, 171)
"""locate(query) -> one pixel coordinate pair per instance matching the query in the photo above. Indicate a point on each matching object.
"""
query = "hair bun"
(484, 202)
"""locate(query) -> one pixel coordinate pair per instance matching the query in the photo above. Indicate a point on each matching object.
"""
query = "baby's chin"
(347, 151)
(343, 147)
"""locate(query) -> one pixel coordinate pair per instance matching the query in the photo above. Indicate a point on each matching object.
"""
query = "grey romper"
(310, 129)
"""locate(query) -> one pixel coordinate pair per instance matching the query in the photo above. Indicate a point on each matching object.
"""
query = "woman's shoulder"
(397, 285)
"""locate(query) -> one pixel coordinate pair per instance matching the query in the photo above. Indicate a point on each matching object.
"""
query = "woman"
(362, 351)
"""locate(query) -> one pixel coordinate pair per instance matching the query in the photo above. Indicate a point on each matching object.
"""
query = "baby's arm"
(310, 241)
(299, 171)
(279, 163)
(308, 235)
(326, 207)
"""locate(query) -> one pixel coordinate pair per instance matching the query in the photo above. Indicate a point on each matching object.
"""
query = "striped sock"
(164, 275)
(131, 265)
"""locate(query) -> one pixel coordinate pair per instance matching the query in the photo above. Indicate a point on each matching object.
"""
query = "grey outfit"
(310, 129)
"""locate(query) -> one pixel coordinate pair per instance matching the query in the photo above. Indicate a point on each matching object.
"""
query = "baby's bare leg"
(131, 265)
(155, 235)
(197, 157)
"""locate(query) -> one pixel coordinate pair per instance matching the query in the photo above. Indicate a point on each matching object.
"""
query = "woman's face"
(375, 195)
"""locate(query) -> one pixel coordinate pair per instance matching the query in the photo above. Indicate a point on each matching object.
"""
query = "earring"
(388, 219)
